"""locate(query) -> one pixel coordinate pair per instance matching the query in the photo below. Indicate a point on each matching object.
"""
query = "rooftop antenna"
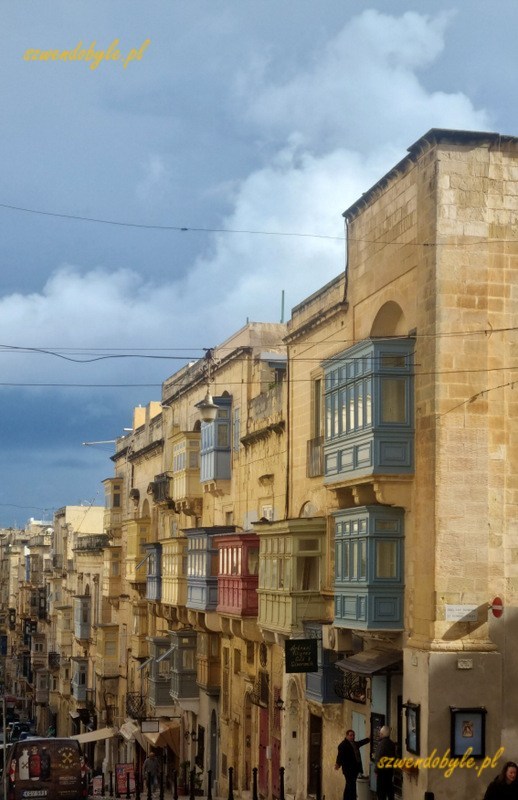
(282, 305)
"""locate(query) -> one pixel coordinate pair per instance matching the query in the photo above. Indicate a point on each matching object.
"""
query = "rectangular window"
(393, 400)
(223, 436)
(368, 402)
(194, 455)
(253, 560)
(397, 361)
(307, 574)
(386, 560)
(362, 559)
(359, 404)
(188, 659)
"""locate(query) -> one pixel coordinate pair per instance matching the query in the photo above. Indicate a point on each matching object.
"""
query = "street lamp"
(207, 407)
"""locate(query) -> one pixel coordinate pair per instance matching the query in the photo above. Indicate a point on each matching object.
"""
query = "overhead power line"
(301, 234)
(177, 228)
(136, 352)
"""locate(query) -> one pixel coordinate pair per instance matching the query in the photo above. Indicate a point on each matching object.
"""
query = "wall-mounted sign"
(150, 726)
(301, 655)
(461, 613)
(497, 607)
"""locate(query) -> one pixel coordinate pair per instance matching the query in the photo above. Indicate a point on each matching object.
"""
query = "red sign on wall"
(497, 607)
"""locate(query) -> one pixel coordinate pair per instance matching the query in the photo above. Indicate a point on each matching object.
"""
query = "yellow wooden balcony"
(186, 489)
(174, 572)
(291, 574)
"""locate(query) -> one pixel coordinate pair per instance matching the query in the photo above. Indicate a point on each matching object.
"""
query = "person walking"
(505, 785)
(151, 770)
(385, 748)
(348, 758)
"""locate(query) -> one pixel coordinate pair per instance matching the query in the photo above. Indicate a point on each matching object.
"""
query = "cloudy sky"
(245, 122)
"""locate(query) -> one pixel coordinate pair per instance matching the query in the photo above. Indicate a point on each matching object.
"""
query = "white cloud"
(364, 89)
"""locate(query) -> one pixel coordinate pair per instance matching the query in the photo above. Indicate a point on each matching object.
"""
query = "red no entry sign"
(497, 607)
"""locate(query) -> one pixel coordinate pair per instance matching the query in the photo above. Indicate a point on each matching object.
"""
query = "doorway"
(314, 754)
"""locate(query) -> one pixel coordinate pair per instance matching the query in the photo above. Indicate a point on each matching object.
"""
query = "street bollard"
(175, 785)
(161, 786)
(149, 786)
(128, 788)
(209, 785)
(111, 783)
(192, 773)
(281, 782)
(103, 785)
(255, 796)
(231, 783)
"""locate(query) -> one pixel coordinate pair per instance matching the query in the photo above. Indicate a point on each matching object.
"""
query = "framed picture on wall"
(413, 724)
(468, 730)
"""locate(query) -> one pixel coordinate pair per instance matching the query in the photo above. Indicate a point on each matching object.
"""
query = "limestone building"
(408, 414)
(346, 493)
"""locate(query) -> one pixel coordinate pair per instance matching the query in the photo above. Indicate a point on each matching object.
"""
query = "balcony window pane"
(328, 418)
(359, 401)
(164, 668)
(368, 402)
(281, 573)
(307, 574)
(393, 400)
(354, 560)
(386, 559)
(396, 361)
(342, 402)
(350, 395)
(362, 560)
(188, 659)
(275, 573)
(223, 436)
(253, 561)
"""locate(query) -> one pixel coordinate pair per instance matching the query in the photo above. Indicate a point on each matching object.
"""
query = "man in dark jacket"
(385, 749)
(350, 760)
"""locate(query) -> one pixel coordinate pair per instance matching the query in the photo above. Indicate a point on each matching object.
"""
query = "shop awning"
(168, 736)
(132, 733)
(371, 662)
(95, 736)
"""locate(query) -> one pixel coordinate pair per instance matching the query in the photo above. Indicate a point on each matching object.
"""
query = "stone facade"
(357, 488)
